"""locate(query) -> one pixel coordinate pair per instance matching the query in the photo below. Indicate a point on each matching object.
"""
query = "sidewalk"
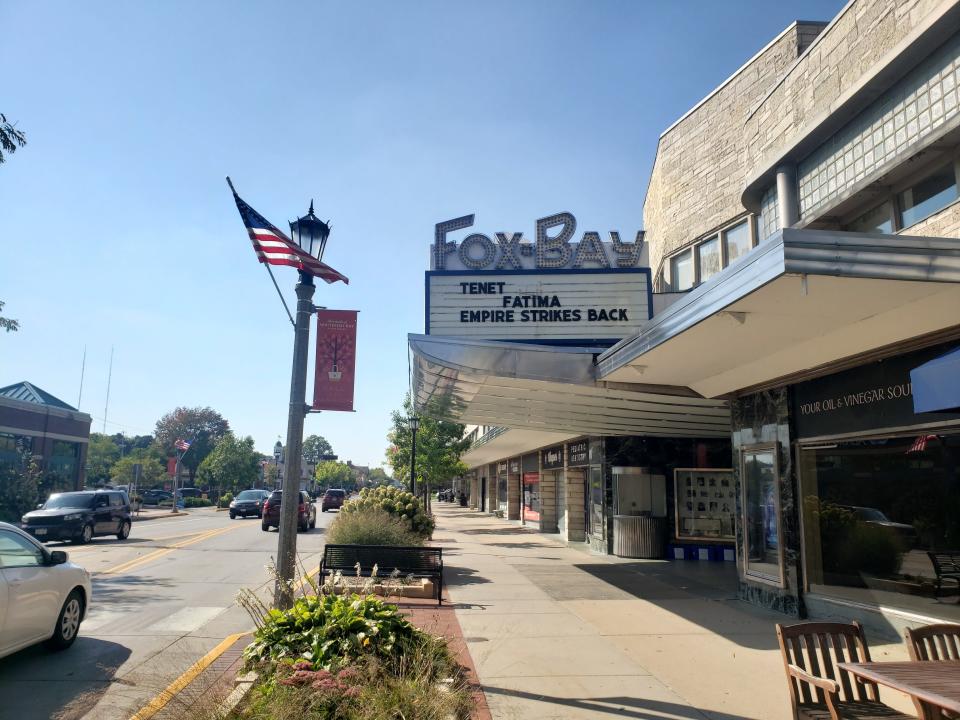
(557, 632)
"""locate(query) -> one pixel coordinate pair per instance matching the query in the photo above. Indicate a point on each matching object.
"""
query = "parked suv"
(249, 502)
(332, 498)
(79, 516)
(306, 513)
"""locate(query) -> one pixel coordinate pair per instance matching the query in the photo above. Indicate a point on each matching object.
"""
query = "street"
(161, 600)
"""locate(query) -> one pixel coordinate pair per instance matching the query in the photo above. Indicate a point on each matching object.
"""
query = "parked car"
(190, 492)
(43, 596)
(332, 498)
(155, 497)
(248, 502)
(80, 516)
(306, 513)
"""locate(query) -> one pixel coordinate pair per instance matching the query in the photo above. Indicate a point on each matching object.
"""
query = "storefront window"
(873, 513)
(761, 514)
(596, 500)
(502, 491)
(877, 220)
(705, 503)
(531, 496)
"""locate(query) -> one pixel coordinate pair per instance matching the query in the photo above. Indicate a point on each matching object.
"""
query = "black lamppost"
(414, 423)
(310, 234)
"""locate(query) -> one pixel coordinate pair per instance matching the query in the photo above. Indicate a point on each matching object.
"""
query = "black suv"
(79, 516)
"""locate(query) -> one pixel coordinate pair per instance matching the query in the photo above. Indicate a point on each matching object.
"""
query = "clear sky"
(117, 228)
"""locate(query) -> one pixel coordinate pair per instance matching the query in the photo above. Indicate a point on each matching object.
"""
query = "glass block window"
(769, 220)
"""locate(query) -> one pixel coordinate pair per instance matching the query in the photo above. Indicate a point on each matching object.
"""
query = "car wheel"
(68, 622)
(233, 516)
(124, 531)
(86, 535)
(264, 527)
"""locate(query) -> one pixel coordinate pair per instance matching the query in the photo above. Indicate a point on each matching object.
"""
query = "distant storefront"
(33, 422)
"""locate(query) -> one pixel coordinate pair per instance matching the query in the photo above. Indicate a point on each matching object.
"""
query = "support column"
(514, 492)
(788, 205)
(548, 502)
(576, 522)
(475, 493)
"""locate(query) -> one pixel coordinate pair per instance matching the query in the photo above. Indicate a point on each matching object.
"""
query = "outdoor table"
(933, 684)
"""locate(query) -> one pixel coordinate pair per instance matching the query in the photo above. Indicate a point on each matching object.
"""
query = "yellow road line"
(298, 586)
(160, 701)
(94, 546)
(143, 559)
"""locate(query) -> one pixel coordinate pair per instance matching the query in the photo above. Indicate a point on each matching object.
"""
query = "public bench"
(947, 567)
(407, 561)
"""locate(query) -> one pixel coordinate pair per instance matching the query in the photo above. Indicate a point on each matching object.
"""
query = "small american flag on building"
(183, 445)
(275, 248)
(920, 444)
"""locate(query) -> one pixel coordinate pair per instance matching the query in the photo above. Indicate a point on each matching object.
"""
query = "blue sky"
(118, 228)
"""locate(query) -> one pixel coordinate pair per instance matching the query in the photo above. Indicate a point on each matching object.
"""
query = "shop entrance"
(530, 509)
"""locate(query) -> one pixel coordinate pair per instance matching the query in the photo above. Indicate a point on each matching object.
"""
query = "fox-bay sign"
(551, 290)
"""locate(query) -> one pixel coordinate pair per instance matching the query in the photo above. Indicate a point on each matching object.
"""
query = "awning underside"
(547, 389)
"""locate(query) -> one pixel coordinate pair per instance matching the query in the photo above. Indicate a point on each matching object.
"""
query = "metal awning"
(803, 299)
(936, 384)
(550, 389)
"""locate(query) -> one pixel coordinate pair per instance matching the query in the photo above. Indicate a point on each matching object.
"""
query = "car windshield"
(249, 495)
(69, 500)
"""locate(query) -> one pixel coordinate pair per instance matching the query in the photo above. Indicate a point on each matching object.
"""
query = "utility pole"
(287, 543)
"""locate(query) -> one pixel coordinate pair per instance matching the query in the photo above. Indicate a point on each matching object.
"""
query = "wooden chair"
(819, 690)
(935, 643)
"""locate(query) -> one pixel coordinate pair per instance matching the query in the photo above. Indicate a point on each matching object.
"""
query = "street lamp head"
(278, 450)
(310, 233)
(414, 422)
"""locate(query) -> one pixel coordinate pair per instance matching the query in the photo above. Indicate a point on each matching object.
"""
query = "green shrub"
(196, 502)
(371, 527)
(225, 499)
(396, 502)
(330, 632)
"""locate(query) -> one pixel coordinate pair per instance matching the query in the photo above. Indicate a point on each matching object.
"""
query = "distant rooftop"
(28, 392)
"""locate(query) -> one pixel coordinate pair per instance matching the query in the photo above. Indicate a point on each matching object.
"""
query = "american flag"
(275, 248)
(920, 444)
(183, 445)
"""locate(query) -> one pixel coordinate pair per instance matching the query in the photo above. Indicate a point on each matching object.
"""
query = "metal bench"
(407, 561)
(947, 566)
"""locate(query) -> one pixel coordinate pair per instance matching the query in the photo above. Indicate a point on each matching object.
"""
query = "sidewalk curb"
(163, 698)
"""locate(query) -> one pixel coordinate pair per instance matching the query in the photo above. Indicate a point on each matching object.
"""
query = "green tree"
(233, 465)
(314, 446)
(152, 470)
(378, 476)
(21, 484)
(10, 138)
(102, 453)
(440, 443)
(203, 427)
(6, 323)
(333, 474)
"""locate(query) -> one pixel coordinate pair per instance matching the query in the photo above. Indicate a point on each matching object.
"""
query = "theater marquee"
(571, 306)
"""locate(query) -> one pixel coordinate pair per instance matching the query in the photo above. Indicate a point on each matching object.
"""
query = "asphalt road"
(161, 600)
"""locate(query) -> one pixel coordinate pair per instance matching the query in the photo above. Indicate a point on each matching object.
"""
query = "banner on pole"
(336, 360)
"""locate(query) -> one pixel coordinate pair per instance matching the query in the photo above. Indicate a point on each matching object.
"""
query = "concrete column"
(514, 491)
(788, 205)
(576, 522)
(548, 502)
(475, 493)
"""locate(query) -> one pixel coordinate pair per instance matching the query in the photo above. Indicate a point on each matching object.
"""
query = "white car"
(43, 597)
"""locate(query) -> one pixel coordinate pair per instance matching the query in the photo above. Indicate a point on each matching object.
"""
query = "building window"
(736, 241)
(928, 196)
(761, 510)
(681, 271)
(710, 259)
(877, 220)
